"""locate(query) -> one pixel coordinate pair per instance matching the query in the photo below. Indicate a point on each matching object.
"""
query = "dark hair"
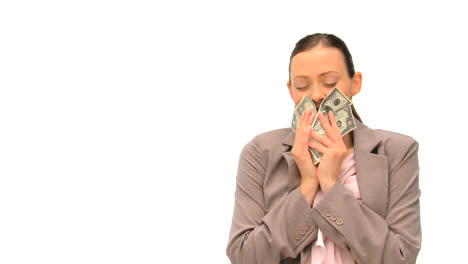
(326, 40)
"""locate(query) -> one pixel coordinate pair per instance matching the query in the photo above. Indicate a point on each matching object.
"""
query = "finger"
(324, 122)
(310, 120)
(300, 119)
(322, 139)
(334, 126)
(302, 135)
(308, 126)
(299, 128)
(326, 126)
(318, 146)
(303, 118)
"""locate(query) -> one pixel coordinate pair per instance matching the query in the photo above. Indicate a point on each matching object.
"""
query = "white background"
(121, 122)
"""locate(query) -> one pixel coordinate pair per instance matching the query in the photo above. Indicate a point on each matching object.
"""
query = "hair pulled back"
(325, 40)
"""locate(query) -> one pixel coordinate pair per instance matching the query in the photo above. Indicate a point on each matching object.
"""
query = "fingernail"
(303, 113)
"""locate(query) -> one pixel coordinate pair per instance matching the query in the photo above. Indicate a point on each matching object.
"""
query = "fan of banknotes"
(335, 101)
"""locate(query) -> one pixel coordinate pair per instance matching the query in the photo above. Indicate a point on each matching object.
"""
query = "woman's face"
(317, 71)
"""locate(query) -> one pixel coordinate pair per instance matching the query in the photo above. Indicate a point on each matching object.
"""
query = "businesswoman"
(359, 205)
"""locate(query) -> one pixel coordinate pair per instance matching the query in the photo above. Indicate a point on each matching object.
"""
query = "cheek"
(297, 97)
(346, 89)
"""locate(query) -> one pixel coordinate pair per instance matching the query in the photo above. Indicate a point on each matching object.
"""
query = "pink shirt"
(323, 250)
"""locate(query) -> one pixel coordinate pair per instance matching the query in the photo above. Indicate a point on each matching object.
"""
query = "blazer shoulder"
(391, 138)
(273, 139)
(269, 141)
(258, 151)
(273, 136)
(396, 145)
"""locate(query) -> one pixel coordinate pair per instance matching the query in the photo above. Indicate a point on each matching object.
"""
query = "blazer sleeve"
(258, 236)
(395, 238)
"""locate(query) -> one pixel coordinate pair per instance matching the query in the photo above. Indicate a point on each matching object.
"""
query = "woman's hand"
(333, 150)
(300, 151)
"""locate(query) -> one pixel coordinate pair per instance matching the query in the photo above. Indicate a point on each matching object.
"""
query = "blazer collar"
(364, 138)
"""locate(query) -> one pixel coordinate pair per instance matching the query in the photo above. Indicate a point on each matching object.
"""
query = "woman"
(360, 204)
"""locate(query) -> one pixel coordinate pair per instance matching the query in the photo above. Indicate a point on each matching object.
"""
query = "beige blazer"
(272, 222)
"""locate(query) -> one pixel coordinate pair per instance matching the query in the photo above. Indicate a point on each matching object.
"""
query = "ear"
(290, 89)
(357, 82)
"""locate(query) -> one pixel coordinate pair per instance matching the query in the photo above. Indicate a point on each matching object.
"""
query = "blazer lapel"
(371, 169)
(294, 174)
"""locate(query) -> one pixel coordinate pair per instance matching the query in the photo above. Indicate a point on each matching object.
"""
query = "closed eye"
(331, 85)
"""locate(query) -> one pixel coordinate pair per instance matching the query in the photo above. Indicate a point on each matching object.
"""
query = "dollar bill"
(335, 100)
(345, 120)
(295, 121)
(343, 117)
(305, 104)
(317, 155)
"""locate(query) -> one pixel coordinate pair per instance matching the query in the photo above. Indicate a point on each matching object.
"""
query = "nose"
(317, 97)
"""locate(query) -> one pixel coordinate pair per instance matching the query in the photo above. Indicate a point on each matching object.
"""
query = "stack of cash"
(336, 102)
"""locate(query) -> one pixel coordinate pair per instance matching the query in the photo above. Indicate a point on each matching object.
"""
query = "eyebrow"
(307, 77)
